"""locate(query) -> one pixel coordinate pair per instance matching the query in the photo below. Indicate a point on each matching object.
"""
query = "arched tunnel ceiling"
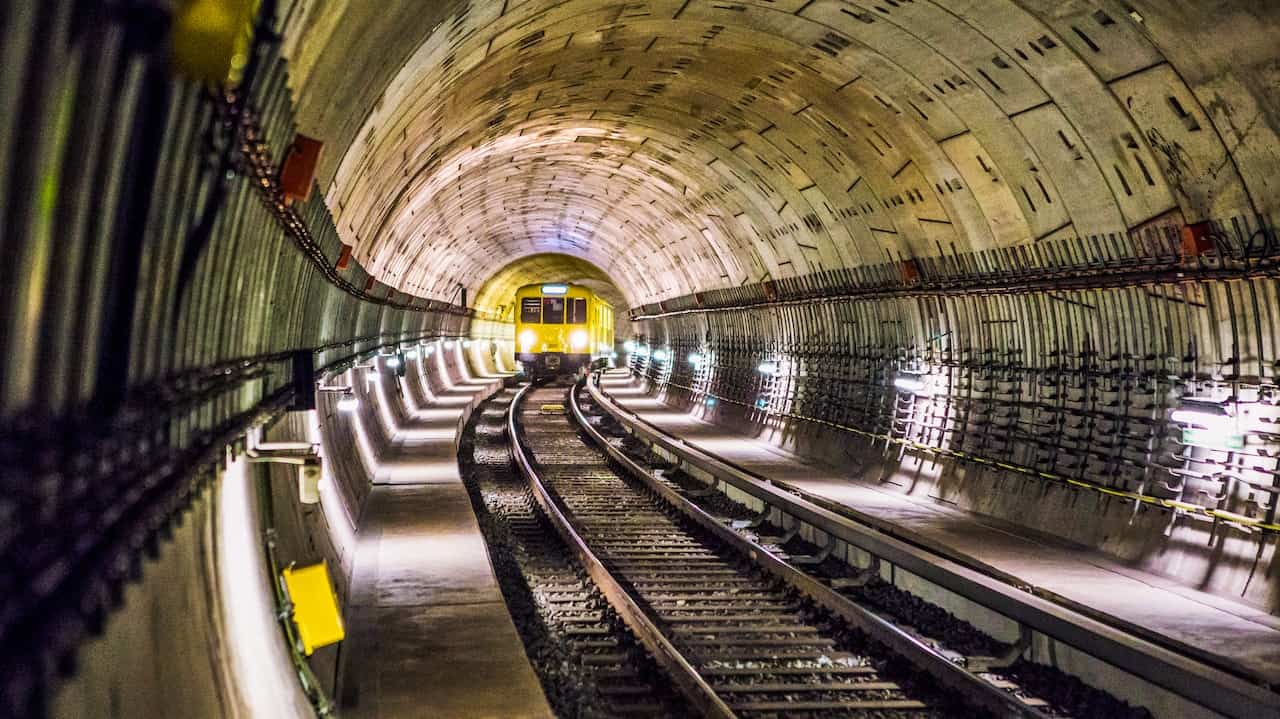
(496, 295)
(687, 144)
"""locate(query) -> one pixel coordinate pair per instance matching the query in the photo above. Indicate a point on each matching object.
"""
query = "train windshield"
(531, 310)
(552, 310)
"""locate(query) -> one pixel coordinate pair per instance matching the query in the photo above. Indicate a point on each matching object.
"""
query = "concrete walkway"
(428, 631)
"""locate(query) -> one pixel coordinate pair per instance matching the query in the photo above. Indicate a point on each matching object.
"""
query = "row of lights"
(1212, 418)
(347, 402)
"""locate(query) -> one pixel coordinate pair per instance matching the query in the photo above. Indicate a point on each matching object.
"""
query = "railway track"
(588, 662)
(740, 631)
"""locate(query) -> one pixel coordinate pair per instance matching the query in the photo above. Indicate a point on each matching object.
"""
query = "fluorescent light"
(909, 382)
(411, 353)
(767, 368)
(1197, 417)
(1201, 412)
(448, 344)
(629, 346)
(393, 361)
(554, 289)
(347, 403)
(466, 344)
(660, 355)
(696, 359)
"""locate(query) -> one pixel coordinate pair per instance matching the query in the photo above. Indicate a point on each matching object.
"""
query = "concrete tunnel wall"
(698, 154)
(1002, 357)
(988, 193)
(234, 655)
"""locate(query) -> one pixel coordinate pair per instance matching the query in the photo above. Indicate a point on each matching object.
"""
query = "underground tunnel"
(661, 358)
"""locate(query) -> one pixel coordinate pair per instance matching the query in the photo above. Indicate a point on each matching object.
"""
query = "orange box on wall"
(298, 172)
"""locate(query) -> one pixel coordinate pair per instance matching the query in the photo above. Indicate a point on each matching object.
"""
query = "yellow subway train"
(561, 329)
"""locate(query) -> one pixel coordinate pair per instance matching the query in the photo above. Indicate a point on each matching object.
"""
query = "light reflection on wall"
(262, 672)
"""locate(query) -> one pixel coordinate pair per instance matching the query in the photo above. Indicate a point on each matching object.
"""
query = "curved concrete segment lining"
(684, 146)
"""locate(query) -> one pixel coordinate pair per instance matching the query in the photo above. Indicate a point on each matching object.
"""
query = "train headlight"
(578, 339)
(527, 338)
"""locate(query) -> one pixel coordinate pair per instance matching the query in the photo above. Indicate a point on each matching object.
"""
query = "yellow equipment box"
(315, 608)
(211, 38)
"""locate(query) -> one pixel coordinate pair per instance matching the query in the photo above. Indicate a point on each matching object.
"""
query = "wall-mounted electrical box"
(298, 173)
(315, 607)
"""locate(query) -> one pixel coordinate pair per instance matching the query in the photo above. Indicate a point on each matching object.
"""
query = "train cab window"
(577, 307)
(552, 310)
(531, 310)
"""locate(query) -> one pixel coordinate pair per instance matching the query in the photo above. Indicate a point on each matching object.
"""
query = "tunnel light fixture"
(393, 361)
(466, 344)
(660, 355)
(411, 353)
(710, 401)
(629, 346)
(347, 402)
(912, 382)
(1200, 412)
(613, 355)
(642, 351)
(448, 344)
(578, 339)
(1207, 423)
(769, 368)
(696, 360)
(554, 289)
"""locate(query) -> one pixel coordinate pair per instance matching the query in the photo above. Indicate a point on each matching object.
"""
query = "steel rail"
(973, 688)
(1217, 688)
(686, 677)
